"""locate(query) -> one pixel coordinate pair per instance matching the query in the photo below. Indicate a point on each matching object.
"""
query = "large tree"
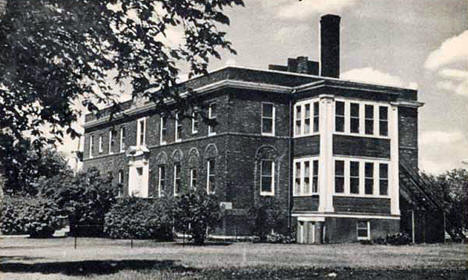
(56, 54)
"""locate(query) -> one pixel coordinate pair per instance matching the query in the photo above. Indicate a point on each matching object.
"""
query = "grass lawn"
(96, 258)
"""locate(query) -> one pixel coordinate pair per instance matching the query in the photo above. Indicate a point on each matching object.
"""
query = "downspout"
(290, 158)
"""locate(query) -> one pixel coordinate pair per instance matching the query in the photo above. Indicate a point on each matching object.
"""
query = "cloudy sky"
(419, 44)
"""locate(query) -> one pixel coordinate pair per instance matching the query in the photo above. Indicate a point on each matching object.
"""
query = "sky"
(419, 44)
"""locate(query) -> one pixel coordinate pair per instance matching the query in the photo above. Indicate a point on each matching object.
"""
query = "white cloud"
(455, 80)
(303, 10)
(373, 76)
(441, 137)
(451, 50)
(289, 33)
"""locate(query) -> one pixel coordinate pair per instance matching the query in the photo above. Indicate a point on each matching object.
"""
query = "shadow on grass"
(91, 267)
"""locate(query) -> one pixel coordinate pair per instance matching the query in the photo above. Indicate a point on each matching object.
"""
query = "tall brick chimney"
(330, 46)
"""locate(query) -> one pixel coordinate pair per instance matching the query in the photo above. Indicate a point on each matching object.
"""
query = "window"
(316, 116)
(193, 178)
(163, 129)
(267, 178)
(339, 176)
(354, 177)
(122, 139)
(212, 117)
(161, 179)
(383, 121)
(178, 128)
(111, 141)
(339, 116)
(363, 230)
(210, 176)
(383, 182)
(298, 122)
(297, 178)
(100, 144)
(268, 119)
(121, 183)
(91, 140)
(195, 123)
(354, 118)
(307, 118)
(315, 170)
(369, 178)
(306, 176)
(369, 119)
(141, 131)
(177, 180)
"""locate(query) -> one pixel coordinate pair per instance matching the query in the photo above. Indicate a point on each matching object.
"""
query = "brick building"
(328, 150)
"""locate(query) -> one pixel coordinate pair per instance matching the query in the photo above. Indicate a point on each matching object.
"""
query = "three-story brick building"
(328, 150)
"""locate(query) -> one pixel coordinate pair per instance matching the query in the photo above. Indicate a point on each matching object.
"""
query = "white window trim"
(273, 118)
(177, 137)
(211, 133)
(91, 144)
(347, 118)
(139, 131)
(175, 177)
(195, 120)
(111, 136)
(376, 178)
(192, 187)
(122, 139)
(162, 123)
(311, 176)
(368, 231)
(100, 144)
(302, 104)
(160, 194)
(272, 193)
(208, 172)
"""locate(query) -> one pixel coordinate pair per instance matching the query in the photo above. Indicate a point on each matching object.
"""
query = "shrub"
(37, 216)
(275, 237)
(86, 198)
(195, 212)
(139, 218)
(394, 239)
(11, 220)
(266, 216)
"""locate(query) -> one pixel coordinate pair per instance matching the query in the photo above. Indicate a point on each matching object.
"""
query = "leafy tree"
(57, 54)
(195, 212)
(85, 198)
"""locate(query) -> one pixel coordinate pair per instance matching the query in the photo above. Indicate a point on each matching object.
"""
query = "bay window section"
(305, 177)
(369, 178)
(354, 118)
(316, 116)
(354, 177)
(369, 119)
(339, 176)
(383, 179)
(267, 178)
(383, 121)
(339, 116)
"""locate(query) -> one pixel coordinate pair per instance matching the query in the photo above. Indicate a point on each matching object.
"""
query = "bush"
(195, 212)
(37, 216)
(394, 239)
(266, 217)
(275, 237)
(140, 219)
(11, 220)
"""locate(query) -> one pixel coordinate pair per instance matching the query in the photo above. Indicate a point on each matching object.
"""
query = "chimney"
(330, 46)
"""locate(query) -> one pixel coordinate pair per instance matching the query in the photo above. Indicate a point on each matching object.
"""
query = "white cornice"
(407, 103)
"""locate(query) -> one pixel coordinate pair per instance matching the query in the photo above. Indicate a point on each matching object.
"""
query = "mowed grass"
(97, 258)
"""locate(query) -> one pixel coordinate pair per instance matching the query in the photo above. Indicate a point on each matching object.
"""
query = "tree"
(266, 216)
(60, 53)
(85, 198)
(195, 212)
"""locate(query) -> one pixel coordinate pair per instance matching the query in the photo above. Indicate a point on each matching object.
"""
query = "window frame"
(272, 118)
(161, 179)
(300, 118)
(367, 228)
(193, 171)
(272, 175)
(383, 179)
(120, 180)
(177, 170)
(369, 178)
(177, 126)
(122, 139)
(210, 173)
(369, 119)
(91, 144)
(111, 141)
(313, 175)
(341, 176)
(339, 116)
(163, 130)
(316, 117)
(100, 144)
(195, 122)
(383, 121)
(141, 132)
(211, 128)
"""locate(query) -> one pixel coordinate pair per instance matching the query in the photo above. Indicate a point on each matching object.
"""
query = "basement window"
(363, 230)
